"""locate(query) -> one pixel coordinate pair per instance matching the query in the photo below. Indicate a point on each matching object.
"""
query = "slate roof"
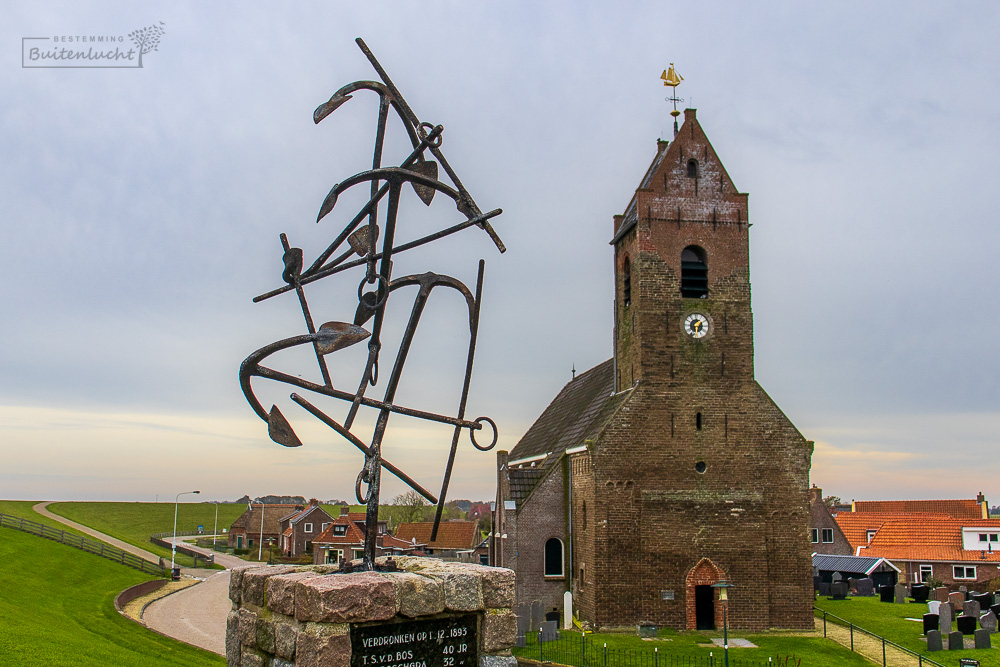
(959, 509)
(835, 563)
(576, 414)
(451, 534)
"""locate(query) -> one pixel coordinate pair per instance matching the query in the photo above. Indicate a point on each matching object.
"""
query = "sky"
(143, 207)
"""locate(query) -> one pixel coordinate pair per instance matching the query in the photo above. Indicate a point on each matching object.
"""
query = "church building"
(666, 469)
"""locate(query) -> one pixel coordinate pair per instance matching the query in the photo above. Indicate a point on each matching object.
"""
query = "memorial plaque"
(440, 642)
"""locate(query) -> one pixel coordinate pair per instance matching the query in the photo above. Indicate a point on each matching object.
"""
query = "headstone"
(971, 608)
(567, 611)
(549, 632)
(967, 624)
(646, 629)
(537, 615)
(940, 594)
(838, 590)
(836, 576)
(988, 621)
(933, 606)
(920, 593)
(985, 600)
(934, 640)
(865, 588)
(824, 588)
(930, 622)
(982, 639)
(900, 593)
(956, 641)
(996, 609)
(944, 618)
(885, 593)
(523, 621)
(957, 599)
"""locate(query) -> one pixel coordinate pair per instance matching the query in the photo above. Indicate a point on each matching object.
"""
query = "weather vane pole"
(673, 79)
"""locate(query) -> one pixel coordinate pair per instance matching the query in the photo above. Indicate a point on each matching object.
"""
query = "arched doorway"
(700, 598)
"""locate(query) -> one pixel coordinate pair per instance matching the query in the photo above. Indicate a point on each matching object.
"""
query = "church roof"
(576, 414)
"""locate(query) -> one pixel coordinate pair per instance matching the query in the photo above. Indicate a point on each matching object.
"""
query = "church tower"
(667, 469)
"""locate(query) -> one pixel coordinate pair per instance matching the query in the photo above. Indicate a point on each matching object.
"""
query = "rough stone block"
(498, 588)
(463, 591)
(285, 634)
(248, 627)
(281, 591)
(499, 630)
(417, 595)
(328, 646)
(252, 658)
(345, 598)
(235, 581)
(497, 661)
(265, 635)
(234, 648)
(253, 585)
(278, 662)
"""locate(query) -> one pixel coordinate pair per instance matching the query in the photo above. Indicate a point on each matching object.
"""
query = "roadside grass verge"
(813, 651)
(57, 606)
(22, 509)
(889, 620)
(135, 522)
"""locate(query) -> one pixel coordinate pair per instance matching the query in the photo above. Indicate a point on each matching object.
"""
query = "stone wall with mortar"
(301, 616)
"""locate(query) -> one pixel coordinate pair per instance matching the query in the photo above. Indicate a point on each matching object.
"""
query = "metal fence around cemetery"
(918, 660)
(83, 543)
(580, 650)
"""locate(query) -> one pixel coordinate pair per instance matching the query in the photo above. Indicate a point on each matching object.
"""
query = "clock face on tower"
(696, 325)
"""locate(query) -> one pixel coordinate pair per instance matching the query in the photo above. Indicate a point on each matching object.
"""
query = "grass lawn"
(57, 608)
(135, 522)
(22, 508)
(889, 621)
(680, 646)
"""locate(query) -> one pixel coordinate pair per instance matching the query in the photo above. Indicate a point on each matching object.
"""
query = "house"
(879, 570)
(452, 537)
(258, 524)
(344, 537)
(301, 527)
(667, 469)
(825, 534)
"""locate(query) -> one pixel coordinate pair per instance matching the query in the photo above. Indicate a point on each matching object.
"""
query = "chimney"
(345, 509)
(815, 494)
(313, 502)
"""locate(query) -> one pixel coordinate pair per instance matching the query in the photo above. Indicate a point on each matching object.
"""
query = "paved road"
(196, 615)
(141, 553)
(225, 560)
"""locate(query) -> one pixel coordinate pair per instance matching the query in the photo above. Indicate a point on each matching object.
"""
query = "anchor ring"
(472, 434)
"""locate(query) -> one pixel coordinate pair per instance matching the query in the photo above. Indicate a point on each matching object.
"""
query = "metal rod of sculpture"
(386, 185)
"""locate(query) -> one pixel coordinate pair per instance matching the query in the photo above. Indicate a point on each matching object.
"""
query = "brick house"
(453, 537)
(248, 530)
(301, 527)
(344, 537)
(825, 534)
(667, 468)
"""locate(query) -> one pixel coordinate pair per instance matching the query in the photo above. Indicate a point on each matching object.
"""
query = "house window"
(964, 572)
(994, 537)
(334, 555)
(308, 528)
(309, 547)
(324, 526)
(982, 537)
(814, 535)
(871, 534)
(340, 530)
(484, 559)
(359, 553)
(828, 535)
(694, 273)
(554, 558)
(926, 572)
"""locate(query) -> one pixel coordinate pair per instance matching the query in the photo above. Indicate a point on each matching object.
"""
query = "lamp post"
(215, 532)
(723, 587)
(173, 543)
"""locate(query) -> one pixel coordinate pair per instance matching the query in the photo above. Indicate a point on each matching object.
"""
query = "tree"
(410, 507)
(147, 39)
(831, 501)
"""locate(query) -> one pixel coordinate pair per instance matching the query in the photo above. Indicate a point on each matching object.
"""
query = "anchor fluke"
(280, 430)
(334, 336)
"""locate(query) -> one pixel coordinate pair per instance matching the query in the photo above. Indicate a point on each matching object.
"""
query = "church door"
(704, 605)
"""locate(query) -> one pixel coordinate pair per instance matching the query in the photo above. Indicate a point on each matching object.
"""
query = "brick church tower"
(667, 468)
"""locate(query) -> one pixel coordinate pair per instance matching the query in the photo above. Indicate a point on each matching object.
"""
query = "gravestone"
(885, 593)
(934, 640)
(930, 622)
(920, 593)
(537, 615)
(933, 606)
(549, 631)
(956, 641)
(996, 610)
(985, 600)
(523, 621)
(944, 618)
(967, 624)
(988, 621)
(646, 629)
(865, 588)
(957, 599)
(940, 594)
(838, 590)
(836, 576)
(983, 639)
(971, 608)
(900, 593)
(824, 588)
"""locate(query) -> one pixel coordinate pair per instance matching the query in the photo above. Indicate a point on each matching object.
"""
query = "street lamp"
(724, 586)
(173, 544)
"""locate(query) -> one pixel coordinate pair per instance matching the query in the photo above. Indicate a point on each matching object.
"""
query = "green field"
(22, 508)
(57, 608)
(889, 621)
(135, 522)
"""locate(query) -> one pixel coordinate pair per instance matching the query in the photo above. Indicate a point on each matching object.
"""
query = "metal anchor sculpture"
(373, 248)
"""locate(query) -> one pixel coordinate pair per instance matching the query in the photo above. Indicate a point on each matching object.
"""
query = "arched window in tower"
(554, 557)
(694, 273)
(693, 168)
(627, 282)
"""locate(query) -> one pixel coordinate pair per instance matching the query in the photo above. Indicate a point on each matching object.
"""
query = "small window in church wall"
(692, 168)
(554, 557)
(694, 273)
(627, 282)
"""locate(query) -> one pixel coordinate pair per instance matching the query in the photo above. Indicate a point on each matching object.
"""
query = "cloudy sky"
(142, 208)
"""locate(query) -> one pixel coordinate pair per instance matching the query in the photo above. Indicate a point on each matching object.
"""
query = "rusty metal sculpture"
(374, 255)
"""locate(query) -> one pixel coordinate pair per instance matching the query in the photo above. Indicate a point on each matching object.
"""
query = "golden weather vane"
(673, 79)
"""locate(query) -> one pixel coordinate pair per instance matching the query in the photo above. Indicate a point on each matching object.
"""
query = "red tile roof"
(960, 509)
(927, 538)
(451, 534)
(856, 525)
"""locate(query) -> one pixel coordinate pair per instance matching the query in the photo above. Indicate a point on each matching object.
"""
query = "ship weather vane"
(673, 79)
(369, 247)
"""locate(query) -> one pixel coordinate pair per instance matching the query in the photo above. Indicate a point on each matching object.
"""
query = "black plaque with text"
(439, 642)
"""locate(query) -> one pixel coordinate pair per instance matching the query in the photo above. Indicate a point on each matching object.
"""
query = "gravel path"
(196, 615)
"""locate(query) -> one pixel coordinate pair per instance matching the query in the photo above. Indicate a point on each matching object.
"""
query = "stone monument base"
(428, 614)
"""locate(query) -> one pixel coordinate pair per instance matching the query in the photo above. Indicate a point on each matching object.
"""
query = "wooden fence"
(95, 547)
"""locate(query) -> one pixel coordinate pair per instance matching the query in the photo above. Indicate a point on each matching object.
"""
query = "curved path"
(141, 553)
(196, 615)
